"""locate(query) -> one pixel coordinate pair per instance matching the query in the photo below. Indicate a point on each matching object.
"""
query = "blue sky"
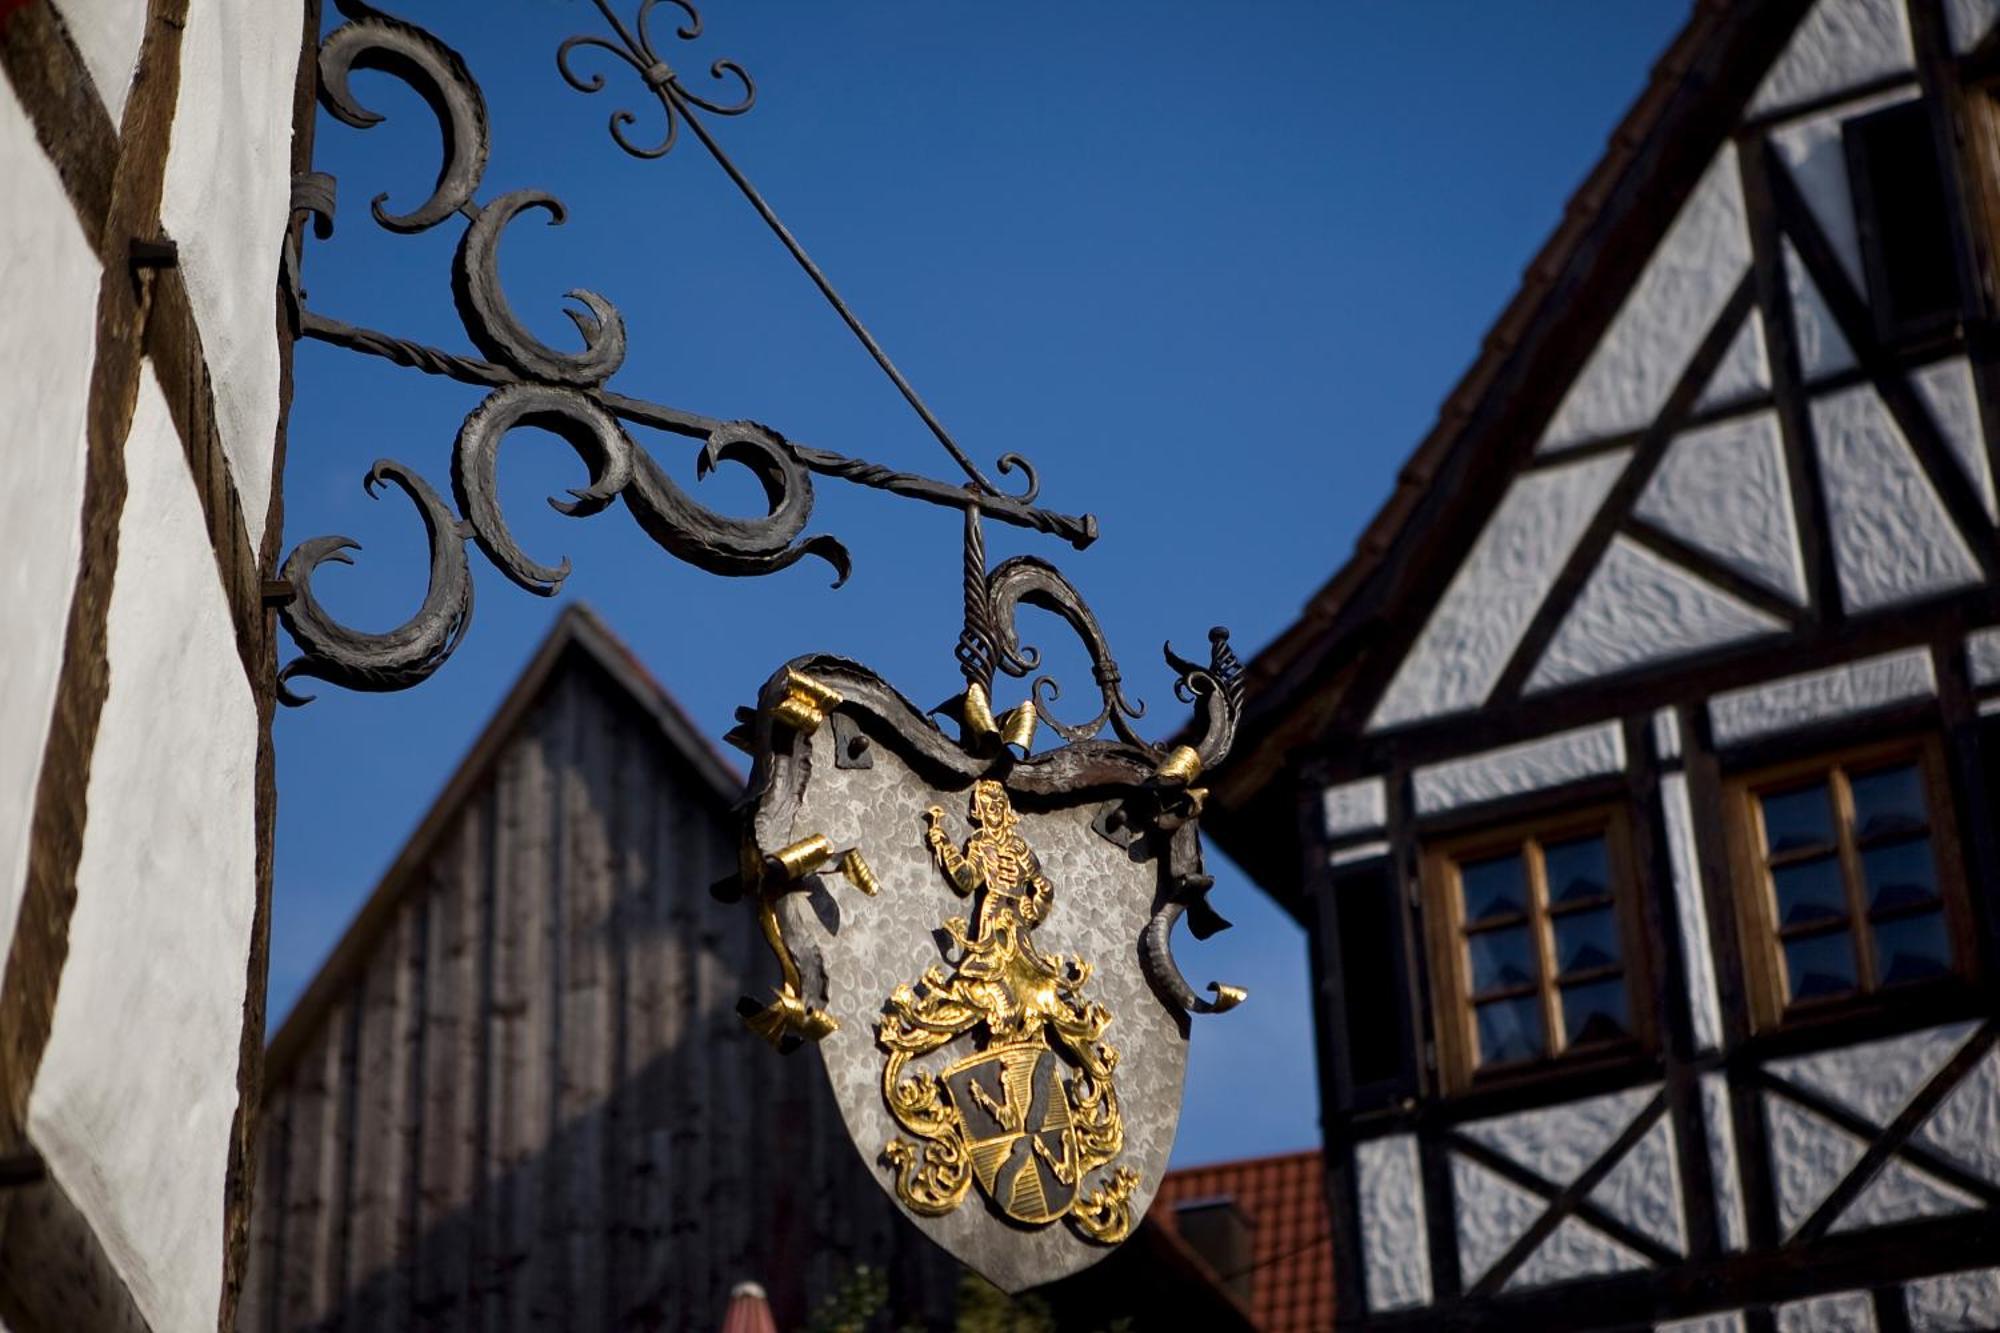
(1212, 267)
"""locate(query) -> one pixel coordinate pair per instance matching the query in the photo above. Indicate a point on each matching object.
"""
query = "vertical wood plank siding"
(533, 1106)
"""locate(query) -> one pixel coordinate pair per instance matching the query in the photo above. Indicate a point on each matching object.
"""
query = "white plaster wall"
(1493, 1213)
(1839, 44)
(1969, 20)
(1533, 766)
(1901, 1193)
(1822, 348)
(1813, 152)
(1843, 1312)
(107, 34)
(1575, 1249)
(1361, 806)
(1395, 1248)
(48, 281)
(1644, 1189)
(1821, 696)
(1876, 1079)
(1722, 1165)
(1669, 311)
(1466, 643)
(1955, 1301)
(1892, 539)
(1637, 609)
(1966, 1125)
(1745, 369)
(227, 196)
(1982, 656)
(1946, 388)
(137, 1087)
(1809, 1156)
(1667, 735)
(1558, 1142)
(1691, 912)
(1723, 490)
(1726, 1321)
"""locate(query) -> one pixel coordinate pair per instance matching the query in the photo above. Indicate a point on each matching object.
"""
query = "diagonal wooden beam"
(1708, 569)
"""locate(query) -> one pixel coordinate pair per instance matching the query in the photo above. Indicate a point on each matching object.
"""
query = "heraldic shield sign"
(976, 934)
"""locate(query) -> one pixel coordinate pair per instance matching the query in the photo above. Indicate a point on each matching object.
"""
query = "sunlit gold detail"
(978, 712)
(1181, 765)
(806, 703)
(1035, 1024)
(801, 858)
(857, 872)
(1017, 727)
(1227, 997)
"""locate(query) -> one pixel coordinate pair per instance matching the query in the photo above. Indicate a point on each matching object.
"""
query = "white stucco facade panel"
(1361, 806)
(1721, 1131)
(1722, 489)
(1558, 1142)
(1876, 1079)
(227, 197)
(107, 34)
(1839, 45)
(1667, 735)
(49, 277)
(1691, 912)
(1892, 538)
(1946, 388)
(1723, 1321)
(1822, 347)
(1671, 308)
(1982, 656)
(1969, 21)
(1814, 153)
(1532, 766)
(1637, 610)
(1574, 1250)
(1966, 1124)
(1810, 1155)
(1745, 369)
(1466, 643)
(1395, 1247)
(1842, 1312)
(1493, 1213)
(1822, 696)
(1644, 1189)
(1954, 1302)
(137, 1088)
(1361, 851)
(1901, 1193)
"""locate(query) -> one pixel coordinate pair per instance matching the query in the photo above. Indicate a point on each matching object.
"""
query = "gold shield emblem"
(1008, 1116)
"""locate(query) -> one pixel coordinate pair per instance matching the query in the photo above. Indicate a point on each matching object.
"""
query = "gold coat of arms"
(973, 930)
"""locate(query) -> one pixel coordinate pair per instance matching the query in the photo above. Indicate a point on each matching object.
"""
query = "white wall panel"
(1822, 348)
(1843, 1312)
(1493, 1213)
(1724, 1321)
(1946, 388)
(1722, 1163)
(1723, 490)
(1966, 1124)
(1644, 1190)
(1813, 152)
(137, 1088)
(1395, 1246)
(1535, 765)
(1809, 1157)
(1822, 696)
(1573, 1250)
(1685, 285)
(1558, 1142)
(1466, 643)
(1969, 21)
(107, 34)
(227, 197)
(1745, 368)
(48, 279)
(1691, 913)
(1953, 1302)
(1901, 1193)
(1637, 610)
(1876, 1079)
(1840, 44)
(1982, 656)
(1356, 807)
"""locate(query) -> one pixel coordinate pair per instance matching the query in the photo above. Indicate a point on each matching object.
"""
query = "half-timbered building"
(1636, 778)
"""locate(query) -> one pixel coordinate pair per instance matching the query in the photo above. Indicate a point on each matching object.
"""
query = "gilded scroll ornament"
(1034, 1112)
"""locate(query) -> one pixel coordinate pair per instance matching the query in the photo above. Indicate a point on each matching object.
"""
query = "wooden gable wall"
(531, 1103)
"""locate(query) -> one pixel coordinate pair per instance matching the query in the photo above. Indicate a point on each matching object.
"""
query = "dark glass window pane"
(1912, 949)
(1585, 940)
(1501, 958)
(1580, 868)
(1809, 891)
(1801, 817)
(1510, 1030)
(1889, 801)
(1595, 1011)
(1820, 966)
(1899, 873)
(1493, 887)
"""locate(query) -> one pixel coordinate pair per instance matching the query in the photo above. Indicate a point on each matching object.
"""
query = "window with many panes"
(1531, 947)
(1848, 879)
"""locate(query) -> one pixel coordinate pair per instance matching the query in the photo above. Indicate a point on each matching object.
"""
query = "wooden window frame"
(1755, 895)
(1892, 327)
(1454, 1019)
